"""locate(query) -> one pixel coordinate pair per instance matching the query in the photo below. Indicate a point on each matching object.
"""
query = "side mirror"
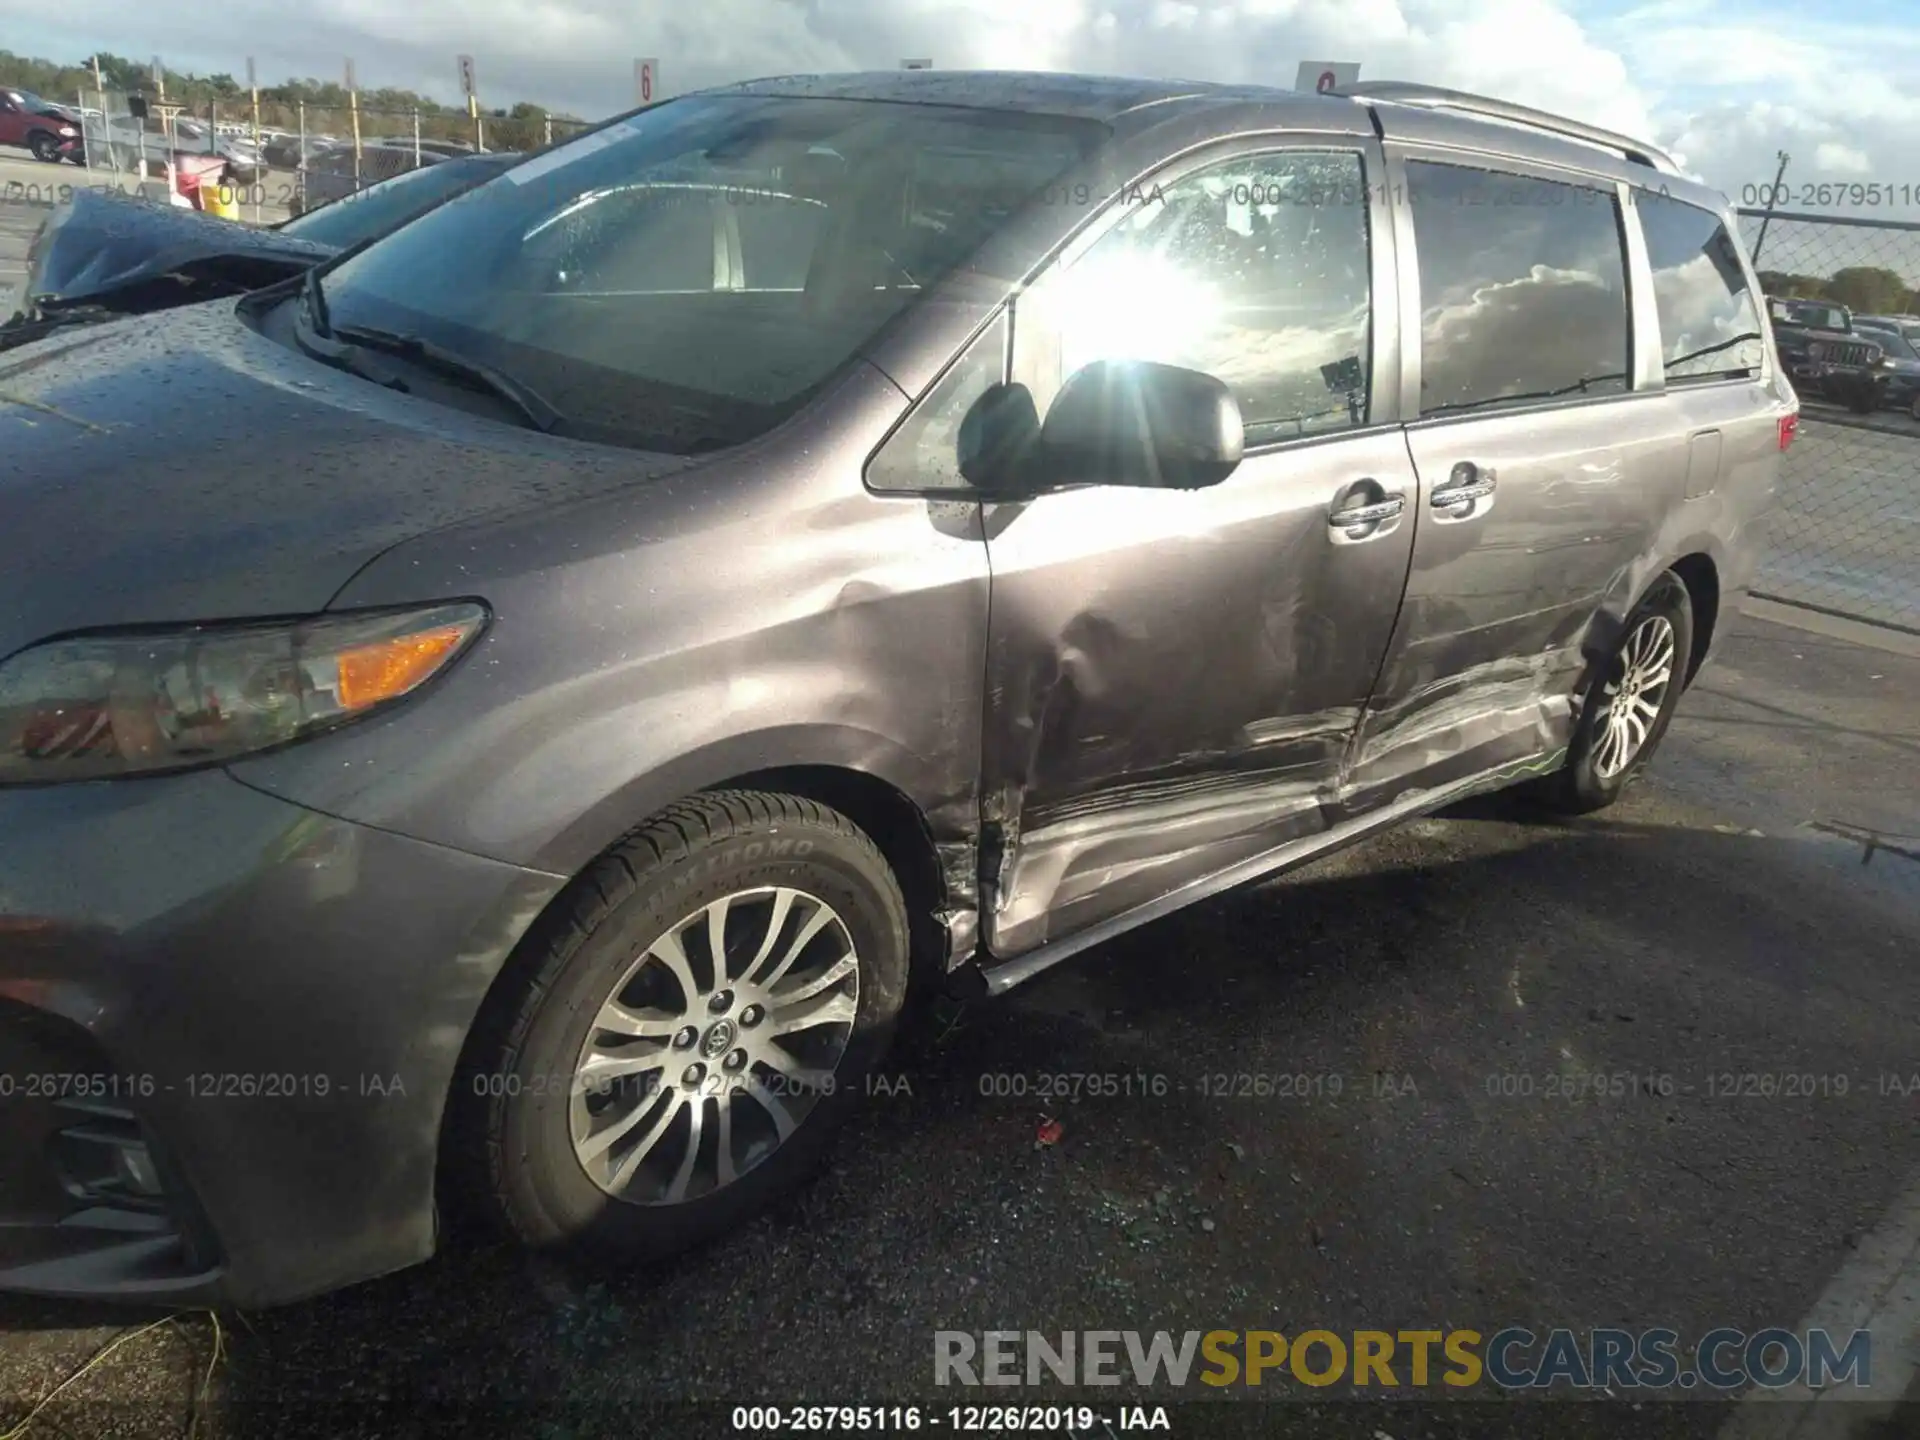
(1138, 422)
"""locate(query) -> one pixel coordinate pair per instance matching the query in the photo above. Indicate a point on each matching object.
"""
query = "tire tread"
(478, 1164)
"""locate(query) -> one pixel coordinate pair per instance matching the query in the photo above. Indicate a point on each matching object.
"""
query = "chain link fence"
(282, 159)
(1846, 536)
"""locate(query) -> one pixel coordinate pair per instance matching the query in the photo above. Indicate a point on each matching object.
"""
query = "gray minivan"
(797, 546)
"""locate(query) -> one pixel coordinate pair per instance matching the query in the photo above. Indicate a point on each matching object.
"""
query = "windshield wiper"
(1713, 350)
(474, 375)
(1579, 387)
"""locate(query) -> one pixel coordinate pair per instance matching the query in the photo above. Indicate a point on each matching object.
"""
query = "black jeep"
(1824, 354)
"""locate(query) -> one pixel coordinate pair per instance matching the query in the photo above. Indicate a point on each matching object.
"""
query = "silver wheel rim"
(1631, 699)
(694, 1072)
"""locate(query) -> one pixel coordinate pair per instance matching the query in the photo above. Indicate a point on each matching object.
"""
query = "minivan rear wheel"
(1629, 702)
(683, 1035)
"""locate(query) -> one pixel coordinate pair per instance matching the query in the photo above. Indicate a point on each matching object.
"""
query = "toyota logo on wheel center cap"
(717, 1040)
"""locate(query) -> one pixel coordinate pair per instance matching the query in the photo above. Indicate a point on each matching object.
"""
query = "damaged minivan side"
(795, 547)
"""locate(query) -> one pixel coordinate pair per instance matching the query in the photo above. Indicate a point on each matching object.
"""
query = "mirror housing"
(1140, 423)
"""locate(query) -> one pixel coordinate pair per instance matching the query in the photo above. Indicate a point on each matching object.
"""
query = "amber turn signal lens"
(388, 669)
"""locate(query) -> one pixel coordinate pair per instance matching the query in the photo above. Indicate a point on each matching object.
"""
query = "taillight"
(1789, 427)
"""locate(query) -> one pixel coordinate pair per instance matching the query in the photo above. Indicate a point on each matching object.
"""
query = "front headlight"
(89, 707)
(67, 132)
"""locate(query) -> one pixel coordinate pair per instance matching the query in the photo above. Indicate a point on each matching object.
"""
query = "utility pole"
(1772, 195)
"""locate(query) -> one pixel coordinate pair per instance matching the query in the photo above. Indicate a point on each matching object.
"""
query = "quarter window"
(1254, 271)
(1523, 289)
(1709, 325)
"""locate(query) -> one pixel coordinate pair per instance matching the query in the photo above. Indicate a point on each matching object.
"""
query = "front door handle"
(1466, 487)
(1358, 517)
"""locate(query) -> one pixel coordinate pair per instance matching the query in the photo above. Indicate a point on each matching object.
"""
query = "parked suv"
(798, 546)
(48, 131)
(1899, 340)
(1822, 349)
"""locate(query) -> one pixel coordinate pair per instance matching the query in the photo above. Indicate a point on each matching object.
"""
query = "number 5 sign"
(646, 80)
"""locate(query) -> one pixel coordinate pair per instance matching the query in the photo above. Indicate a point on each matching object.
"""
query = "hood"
(186, 467)
(107, 248)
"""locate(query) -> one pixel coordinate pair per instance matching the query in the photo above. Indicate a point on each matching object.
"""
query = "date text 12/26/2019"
(1072, 1420)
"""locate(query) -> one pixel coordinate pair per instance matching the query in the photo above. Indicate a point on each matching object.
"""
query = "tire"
(1864, 399)
(1594, 775)
(44, 147)
(1914, 408)
(531, 1123)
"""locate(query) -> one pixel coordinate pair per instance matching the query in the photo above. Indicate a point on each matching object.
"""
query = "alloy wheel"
(1635, 690)
(720, 1038)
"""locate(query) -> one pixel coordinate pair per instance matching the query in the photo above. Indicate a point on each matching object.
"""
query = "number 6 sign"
(1324, 76)
(646, 79)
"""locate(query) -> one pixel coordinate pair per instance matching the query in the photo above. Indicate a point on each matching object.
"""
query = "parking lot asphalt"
(1447, 981)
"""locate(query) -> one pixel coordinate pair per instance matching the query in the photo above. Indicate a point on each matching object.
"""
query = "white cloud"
(1837, 159)
(1716, 80)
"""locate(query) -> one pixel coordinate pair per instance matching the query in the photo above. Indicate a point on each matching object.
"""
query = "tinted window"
(1254, 272)
(777, 235)
(1709, 325)
(611, 346)
(381, 207)
(930, 451)
(1816, 317)
(1889, 337)
(1523, 289)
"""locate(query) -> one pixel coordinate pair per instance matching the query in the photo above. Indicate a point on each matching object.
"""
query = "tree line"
(222, 97)
(1863, 289)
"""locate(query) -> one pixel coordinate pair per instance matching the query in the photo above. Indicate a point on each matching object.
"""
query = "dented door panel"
(1173, 679)
(1499, 621)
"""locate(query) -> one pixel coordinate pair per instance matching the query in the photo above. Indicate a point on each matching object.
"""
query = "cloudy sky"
(1727, 83)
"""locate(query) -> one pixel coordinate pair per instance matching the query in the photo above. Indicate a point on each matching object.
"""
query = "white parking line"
(1877, 1290)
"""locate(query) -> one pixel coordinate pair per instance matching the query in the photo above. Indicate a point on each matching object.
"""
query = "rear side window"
(1523, 289)
(1709, 324)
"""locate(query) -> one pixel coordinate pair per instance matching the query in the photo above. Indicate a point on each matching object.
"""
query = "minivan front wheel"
(683, 1038)
(44, 147)
(1629, 702)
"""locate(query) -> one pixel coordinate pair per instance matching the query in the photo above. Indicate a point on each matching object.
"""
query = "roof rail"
(1432, 97)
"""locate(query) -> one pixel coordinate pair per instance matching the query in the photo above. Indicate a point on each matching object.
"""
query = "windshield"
(1892, 339)
(1816, 317)
(695, 272)
(390, 203)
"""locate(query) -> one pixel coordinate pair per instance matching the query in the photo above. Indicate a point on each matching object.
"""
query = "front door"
(1545, 465)
(1174, 677)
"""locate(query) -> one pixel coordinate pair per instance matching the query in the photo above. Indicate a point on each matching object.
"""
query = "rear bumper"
(228, 1028)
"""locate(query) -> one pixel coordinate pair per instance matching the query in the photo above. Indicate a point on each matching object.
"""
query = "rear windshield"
(692, 274)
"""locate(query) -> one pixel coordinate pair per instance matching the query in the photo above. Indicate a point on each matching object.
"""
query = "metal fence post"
(416, 137)
(259, 161)
(300, 169)
(1773, 195)
(546, 127)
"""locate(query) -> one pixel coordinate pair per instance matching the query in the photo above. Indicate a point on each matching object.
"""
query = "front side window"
(608, 276)
(1254, 271)
(1523, 289)
(1709, 326)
